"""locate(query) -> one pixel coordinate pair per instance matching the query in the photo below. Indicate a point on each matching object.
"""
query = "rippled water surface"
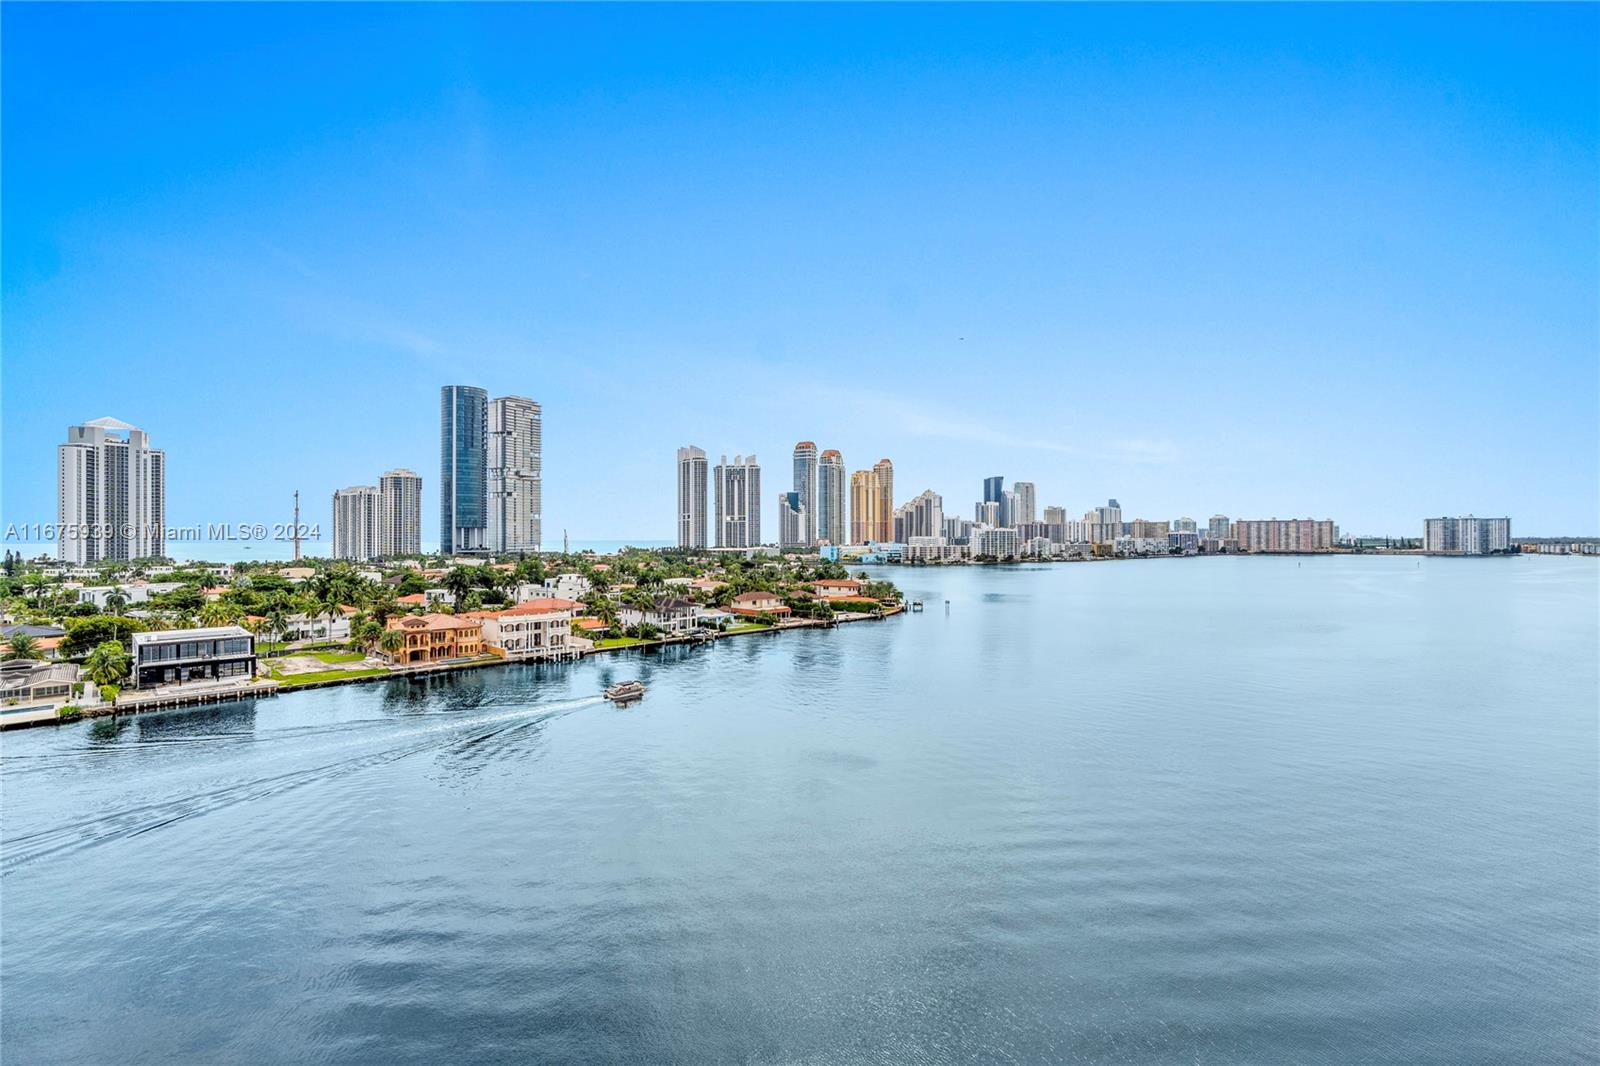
(1188, 811)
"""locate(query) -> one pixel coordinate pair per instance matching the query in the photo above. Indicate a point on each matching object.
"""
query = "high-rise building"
(1025, 508)
(355, 523)
(831, 497)
(1107, 522)
(1467, 535)
(883, 485)
(1285, 535)
(1141, 529)
(997, 543)
(992, 488)
(1217, 528)
(987, 513)
(463, 469)
(863, 506)
(1185, 525)
(1008, 509)
(515, 469)
(691, 497)
(792, 520)
(805, 483)
(399, 514)
(738, 492)
(923, 516)
(111, 494)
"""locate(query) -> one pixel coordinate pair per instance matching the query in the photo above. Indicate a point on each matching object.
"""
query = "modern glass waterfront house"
(173, 656)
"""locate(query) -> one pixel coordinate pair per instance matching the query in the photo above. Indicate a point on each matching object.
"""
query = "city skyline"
(383, 520)
(1283, 302)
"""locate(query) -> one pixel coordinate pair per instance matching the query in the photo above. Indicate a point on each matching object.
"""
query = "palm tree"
(391, 642)
(217, 613)
(116, 601)
(277, 622)
(368, 633)
(332, 609)
(601, 606)
(458, 582)
(23, 646)
(108, 663)
(38, 583)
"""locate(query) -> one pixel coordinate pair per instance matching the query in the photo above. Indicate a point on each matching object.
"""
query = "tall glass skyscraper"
(463, 468)
(805, 483)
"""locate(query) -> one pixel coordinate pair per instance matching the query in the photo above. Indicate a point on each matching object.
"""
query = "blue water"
(1188, 811)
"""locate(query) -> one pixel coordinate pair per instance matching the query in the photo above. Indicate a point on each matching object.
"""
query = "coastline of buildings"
(463, 613)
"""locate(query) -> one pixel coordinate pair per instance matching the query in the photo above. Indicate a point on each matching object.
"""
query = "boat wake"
(349, 756)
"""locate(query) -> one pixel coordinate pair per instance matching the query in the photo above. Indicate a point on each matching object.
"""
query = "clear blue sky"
(1319, 260)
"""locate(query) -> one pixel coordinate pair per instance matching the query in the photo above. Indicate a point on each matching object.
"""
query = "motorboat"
(625, 691)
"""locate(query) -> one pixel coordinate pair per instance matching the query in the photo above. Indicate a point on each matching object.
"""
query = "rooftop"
(207, 633)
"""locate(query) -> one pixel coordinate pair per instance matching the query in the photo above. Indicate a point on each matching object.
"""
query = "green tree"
(219, 613)
(85, 634)
(277, 621)
(108, 663)
(116, 601)
(458, 582)
(392, 641)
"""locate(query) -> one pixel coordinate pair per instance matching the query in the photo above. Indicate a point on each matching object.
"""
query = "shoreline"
(268, 688)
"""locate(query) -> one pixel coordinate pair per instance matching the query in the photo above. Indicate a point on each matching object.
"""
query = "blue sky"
(1317, 260)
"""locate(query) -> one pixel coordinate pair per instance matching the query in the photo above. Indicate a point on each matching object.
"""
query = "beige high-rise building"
(863, 506)
(883, 513)
(399, 514)
(872, 504)
(830, 497)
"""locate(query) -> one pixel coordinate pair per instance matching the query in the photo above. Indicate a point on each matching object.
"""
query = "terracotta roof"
(432, 621)
(755, 597)
(589, 623)
(543, 605)
(838, 583)
(415, 597)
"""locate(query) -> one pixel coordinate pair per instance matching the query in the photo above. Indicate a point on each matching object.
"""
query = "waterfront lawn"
(622, 642)
(753, 627)
(290, 680)
(332, 657)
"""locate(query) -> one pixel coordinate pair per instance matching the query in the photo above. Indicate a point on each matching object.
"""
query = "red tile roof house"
(837, 587)
(750, 604)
